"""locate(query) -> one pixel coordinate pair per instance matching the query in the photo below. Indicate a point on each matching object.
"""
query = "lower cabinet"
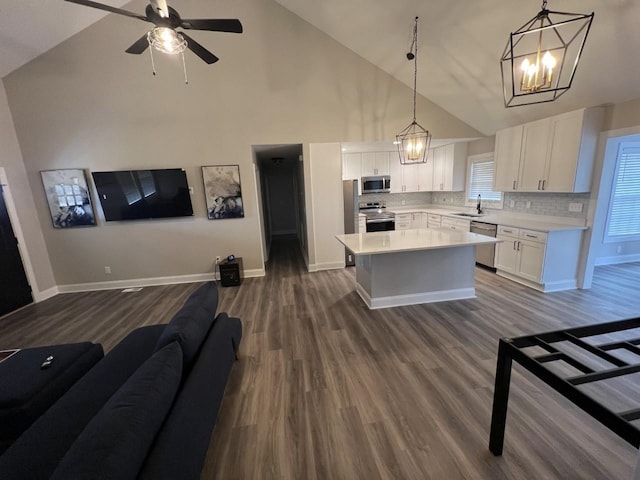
(403, 221)
(416, 220)
(433, 220)
(544, 261)
(362, 224)
(455, 224)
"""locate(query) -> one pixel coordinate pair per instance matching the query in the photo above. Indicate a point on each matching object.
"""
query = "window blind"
(481, 181)
(624, 210)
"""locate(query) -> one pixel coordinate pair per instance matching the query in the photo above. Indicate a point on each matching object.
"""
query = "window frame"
(632, 237)
(486, 203)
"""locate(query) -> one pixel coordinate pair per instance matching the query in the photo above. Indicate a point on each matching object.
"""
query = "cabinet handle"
(543, 184)
(539, 181)
(518, 246)
(530, 236)
(514, 184)
(514, 244)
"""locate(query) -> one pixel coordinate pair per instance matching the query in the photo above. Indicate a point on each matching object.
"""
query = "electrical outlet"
(512, 204)
(218, 259)
(575, 207)
(191, 190)
(107, 270)
(528, 204)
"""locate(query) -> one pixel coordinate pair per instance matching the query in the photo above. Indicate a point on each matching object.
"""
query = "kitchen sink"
(467, 214)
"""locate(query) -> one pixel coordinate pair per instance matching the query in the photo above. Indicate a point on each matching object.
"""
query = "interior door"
(15, 291)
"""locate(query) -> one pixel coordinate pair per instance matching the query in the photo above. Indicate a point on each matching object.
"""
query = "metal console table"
(511, 349)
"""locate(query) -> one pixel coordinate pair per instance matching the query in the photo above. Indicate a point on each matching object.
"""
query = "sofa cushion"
(190, 325)
(116, 441)
(38, 451)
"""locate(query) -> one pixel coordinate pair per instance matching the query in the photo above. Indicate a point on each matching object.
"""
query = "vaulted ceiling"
(460, 42)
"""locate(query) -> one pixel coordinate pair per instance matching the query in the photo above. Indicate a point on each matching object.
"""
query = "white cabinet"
(352, 168)
(375, 163)
(404, 178)
(544, 261)
(449, 167)
(362, 224)
(425, 177)
(459, 224)
(433, 220)
(555, 154)
(535, 140)
(416, 220)
(403, 221)
(521, 253)
(395, 172)
(507, 158)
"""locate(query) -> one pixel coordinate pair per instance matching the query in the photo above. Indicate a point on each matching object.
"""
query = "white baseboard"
(150, 282)
(317, 267)
(415, 298)
(557, 286)
(45, 294)
(616, 259)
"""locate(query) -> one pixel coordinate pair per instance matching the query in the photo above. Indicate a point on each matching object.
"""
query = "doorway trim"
(605, 163)
(17, 230)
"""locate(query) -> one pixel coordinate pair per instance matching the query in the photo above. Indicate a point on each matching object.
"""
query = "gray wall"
(87, 104)
(17, 179)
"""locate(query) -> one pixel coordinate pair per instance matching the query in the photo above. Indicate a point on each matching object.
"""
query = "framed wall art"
(68, 198)
(222, 191)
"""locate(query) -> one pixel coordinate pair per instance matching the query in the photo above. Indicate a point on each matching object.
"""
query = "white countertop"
(374, 243)
(506, 219)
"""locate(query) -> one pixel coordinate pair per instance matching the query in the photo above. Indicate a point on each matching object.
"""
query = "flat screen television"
(143, 194)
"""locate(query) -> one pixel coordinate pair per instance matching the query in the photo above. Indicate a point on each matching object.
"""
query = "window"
(480, 181)
(623, 221)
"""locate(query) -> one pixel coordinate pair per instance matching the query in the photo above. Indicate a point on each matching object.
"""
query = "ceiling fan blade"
(231, 25)
(199, 50)
(139, 46)
(108, 8)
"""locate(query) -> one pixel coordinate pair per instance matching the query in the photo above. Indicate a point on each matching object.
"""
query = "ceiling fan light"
(167, 40)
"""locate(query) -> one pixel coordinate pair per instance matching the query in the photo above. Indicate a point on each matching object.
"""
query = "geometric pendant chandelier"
(413, 142)
(541, 57)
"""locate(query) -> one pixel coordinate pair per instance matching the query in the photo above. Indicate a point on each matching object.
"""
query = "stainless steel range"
(378, 219)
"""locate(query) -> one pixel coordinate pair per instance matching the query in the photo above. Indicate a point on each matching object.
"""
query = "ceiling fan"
(163, 36)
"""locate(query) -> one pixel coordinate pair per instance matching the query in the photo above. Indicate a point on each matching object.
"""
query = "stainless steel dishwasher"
(485, 254)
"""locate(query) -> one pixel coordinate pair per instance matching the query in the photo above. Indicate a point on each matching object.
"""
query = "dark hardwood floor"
(327, 389)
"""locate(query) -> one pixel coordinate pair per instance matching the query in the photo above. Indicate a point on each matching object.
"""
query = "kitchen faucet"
(479, 205)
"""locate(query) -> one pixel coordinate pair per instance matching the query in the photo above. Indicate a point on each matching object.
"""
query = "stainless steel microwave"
(376, 184)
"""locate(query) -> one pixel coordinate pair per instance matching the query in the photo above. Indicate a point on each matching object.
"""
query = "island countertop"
(374, 243)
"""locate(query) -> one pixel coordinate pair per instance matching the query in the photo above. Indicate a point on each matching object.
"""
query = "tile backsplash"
(553, 204)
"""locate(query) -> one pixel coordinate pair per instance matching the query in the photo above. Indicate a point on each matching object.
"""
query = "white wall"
(86, 104)
(325, 161)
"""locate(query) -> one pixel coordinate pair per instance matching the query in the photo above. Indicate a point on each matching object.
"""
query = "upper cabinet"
(449, 167)
(555, 154)
(375, 163)
(445, 169)
(507, 158)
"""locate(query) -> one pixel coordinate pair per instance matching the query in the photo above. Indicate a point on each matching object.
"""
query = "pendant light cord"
(415, 66)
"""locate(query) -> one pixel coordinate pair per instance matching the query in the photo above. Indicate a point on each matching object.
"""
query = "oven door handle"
(381, 220)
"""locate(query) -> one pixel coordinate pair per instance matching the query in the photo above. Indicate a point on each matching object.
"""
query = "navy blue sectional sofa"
(146, 410)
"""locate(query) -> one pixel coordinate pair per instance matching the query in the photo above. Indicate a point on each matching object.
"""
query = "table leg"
(500, 398)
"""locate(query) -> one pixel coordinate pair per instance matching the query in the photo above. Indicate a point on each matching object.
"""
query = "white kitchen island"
(408, 267)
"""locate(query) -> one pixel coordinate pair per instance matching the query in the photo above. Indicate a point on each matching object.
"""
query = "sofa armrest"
(189, 425)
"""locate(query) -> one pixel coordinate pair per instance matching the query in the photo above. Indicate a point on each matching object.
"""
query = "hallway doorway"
(282, 196)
